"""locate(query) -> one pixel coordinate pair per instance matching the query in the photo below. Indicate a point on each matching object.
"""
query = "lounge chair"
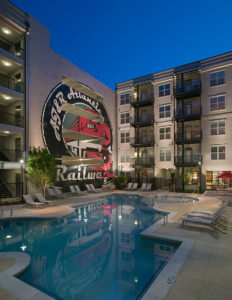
(29, 200)
(207, 214)
(143, 187)
(51, 193)
(95, 190)
(41, 199)
(59, 192)
(78, 190)
(149, 185)
(135, 186)
(129, 186)
(73, 190)
(89, 189)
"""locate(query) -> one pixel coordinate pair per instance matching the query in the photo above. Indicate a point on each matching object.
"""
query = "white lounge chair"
(149, 185)
(89, 189)
(129, 186)
(135, 186)
(29, 200)
(207, 214)
(78, 190)
(59, 193)
(51, 193)
(41, 199)
(143, 187)
(93, 188)
(73, 190)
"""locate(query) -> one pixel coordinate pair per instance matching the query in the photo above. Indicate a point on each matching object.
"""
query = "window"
(125, 137)
(164, 111)
(165, 155)
(218, 127)
(164, 90)
(125, 118)
(125, 157)
(217, 78)
(217, 102)
(165, 133)
(218, 152)
(125, 237)
(125, 99)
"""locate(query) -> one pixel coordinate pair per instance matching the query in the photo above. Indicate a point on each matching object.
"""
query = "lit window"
(125, 118)
(164, 111)
(218, 127)
(218, 153)
(125, 99)
(217, 78)
(217, 102)
(164, 90)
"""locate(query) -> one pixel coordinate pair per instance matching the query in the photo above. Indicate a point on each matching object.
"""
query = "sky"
(116, 40)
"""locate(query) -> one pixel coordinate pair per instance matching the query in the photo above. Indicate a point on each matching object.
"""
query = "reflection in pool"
(96, 253)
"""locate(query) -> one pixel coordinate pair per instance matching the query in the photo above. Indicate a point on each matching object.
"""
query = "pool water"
(95, 253)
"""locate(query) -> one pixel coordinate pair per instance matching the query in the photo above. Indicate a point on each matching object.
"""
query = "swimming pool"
(96, 253)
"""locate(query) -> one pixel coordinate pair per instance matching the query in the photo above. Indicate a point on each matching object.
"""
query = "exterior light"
(23, 247)
(136, 280)
(7, 63)
(6, 31)
(136, 222)
(8, 236)
(120, 217)
(6, 97)
(21, 161)
(85, 220)
(6, 132)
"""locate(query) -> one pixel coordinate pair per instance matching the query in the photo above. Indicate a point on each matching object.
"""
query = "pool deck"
(207, 271)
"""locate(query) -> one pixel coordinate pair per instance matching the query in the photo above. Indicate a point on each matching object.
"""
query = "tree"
(120, 181)
(41, 168)
(188, 173)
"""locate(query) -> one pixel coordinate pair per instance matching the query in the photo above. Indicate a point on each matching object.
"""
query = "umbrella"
(225, 175)
(108, 175)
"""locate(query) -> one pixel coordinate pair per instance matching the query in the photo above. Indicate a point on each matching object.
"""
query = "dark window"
(217, 78)
(164, 90)
(125, 118)
(217, 102)
(125, 99)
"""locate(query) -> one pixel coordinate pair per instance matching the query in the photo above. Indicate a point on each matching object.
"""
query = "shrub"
(120, 182)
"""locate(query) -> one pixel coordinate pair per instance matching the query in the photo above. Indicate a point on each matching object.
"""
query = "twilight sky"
(117, 40)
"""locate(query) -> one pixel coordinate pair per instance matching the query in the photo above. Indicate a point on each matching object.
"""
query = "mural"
(54, 120)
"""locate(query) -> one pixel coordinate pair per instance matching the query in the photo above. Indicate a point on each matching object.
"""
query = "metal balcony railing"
(142, 120)
(191, 111)
(188, 87)
(188, 160)
(11, 83)
(189, 135)
(10, 154)
(144, 162)
(10, 119)
(11, 48)
(144, 99)
(142, 141)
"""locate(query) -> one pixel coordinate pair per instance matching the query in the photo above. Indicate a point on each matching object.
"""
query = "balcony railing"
(143, 100)
(11, 83)
(188, 160)
(10, 119)
(143, 162)
(11, 48)
(189, 112)
(142, 141)
(188, 88)
(10, 154)
(188, 136)
(142, 121)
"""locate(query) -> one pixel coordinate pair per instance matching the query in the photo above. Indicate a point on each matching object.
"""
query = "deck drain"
(171, 279)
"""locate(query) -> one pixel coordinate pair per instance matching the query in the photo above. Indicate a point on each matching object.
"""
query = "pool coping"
(161, 285)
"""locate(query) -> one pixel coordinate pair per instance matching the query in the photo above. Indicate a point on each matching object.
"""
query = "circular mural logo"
(54, 120)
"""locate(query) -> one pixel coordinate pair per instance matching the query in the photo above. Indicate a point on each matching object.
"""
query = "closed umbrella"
(109, 175)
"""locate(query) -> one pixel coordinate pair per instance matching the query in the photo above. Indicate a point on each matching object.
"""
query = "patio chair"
(41, 199)
(73, 190)
(208, 214)
(78, 190)
(94, 189)
(129, 186)
(135, 186)
(59, 193)
(51, 193)
(29, 200)
(143, 187)
(149, 185)
(89, 189)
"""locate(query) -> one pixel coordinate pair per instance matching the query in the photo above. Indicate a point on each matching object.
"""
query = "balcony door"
(188, 155)
(188, 132)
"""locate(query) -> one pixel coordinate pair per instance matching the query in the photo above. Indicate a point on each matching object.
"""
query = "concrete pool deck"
(207, 271)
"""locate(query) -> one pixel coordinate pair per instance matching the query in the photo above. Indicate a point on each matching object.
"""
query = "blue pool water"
(96, 253)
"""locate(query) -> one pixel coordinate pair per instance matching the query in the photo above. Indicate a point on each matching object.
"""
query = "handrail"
(11, 48)
(11, 83)
(10, 119)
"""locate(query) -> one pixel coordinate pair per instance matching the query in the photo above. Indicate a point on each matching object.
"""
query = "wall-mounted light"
(21, 161)
(6, 132)
(6, 30)
(6, 97)
(6, 63)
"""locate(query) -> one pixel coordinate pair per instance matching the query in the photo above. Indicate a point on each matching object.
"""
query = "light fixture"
(21, 161)
(6, 132)
(23, 247)
(8, 236)
(136, 280)
(6, 63)
(120, 217)
(136, 222)
(6, 31)
(6, 97)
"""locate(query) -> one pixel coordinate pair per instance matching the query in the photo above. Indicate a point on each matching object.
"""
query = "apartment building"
(175, 125)
(13, 98)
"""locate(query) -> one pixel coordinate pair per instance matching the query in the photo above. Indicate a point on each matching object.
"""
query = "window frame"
(126, 117)
(124, 100)
(164, 90)
(217, 97)
(218, 155)
(166, 154)
(217, 78)
(165, 111)
(217, 128)
(165, 133)
(125, 137)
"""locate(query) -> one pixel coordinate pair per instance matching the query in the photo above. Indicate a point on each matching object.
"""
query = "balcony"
(188, 160)
(11, 83)
(10, 155)
(143, 100)
(189, 137)
(188, 89)
(144, 141)
(145, 162)
(142, 121)
(10, 119)
(11, 48)
(190, 112)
